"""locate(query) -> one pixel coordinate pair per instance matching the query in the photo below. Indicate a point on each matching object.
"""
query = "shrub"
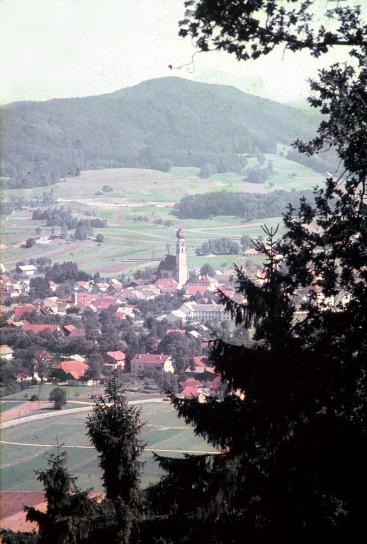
(58, 397)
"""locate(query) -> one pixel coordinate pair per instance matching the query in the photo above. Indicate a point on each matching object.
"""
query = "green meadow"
(162, 431)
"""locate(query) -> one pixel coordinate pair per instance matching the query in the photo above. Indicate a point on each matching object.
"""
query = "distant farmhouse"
(175, 266)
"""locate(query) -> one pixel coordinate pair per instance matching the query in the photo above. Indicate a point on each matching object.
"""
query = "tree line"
(246, 206)
(220, 246)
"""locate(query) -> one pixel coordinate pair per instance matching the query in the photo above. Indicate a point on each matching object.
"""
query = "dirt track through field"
(71, 446)
(24, 409)
(56, 413)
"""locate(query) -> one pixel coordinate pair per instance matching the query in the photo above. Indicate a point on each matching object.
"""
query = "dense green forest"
(152, 125)
(220, 246)
(245, 205)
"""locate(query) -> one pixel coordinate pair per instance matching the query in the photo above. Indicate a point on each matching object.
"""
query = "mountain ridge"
(155, 123)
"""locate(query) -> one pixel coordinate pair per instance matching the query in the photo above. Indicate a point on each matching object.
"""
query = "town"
(62, 326)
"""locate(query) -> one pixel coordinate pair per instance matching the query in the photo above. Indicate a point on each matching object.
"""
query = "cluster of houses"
(199, 308)
(99, 295)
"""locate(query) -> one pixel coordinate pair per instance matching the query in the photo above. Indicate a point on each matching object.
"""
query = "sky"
(67, 48)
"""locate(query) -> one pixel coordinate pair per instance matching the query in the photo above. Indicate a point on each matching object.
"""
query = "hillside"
(151, 125)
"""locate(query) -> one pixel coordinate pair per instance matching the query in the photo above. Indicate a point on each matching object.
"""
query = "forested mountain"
(154, 124)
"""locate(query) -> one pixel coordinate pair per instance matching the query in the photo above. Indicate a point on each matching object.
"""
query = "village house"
(207, 281)
(82, 285)
(52, 285)
(50, 305)
(17, 289)
(102, 286)
(166, 285)
(192, 388)
(72, 330)
(149, 292)
(195, 289)
(115, 359)
(193, 311)
(27, 270)
(181, 332)
(5, 281)
(251, 252)
(116, 285)
(6, 352)
(24, 309)
(200, 367)
(191, 382)
(37, 328)
(195, 334)
(125, 311)
(24, 378)
(83, 300)
(176, 317)
(146, 362)
(77, 369)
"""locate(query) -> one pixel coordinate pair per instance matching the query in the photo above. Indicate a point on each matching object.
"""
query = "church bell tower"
(181, 258)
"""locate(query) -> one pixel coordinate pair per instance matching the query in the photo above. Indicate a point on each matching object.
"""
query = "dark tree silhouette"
(70, 514)
(252, 28)
(292, 427)
(113, 428)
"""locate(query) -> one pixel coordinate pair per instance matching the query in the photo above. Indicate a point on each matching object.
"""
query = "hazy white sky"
(62, 48)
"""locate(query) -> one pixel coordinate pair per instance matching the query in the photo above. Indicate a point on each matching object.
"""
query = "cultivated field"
(32, 440)
(141, 193)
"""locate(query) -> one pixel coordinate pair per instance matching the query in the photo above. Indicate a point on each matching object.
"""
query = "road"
(56, 413)
(71, 446)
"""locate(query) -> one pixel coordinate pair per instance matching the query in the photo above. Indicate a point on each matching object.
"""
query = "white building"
(193, 311)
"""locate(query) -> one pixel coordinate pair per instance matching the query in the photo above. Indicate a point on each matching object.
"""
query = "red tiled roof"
(149, 359)
(199, 361)
(70, 328)
(194, 289)
(166, 283)
(228, 293)
(191, 382)
(117, 355)
(83, 299)
(215, 384)
(4, 349)
(181, 332)
(102, 303)
(76, 368)
(39, 327)
(21, 310)
(190, 392)
(74, 331)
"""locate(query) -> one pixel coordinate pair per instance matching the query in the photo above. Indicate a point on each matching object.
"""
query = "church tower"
(181, 258)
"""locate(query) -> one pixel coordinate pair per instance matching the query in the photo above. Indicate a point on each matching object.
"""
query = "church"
(175, 266)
